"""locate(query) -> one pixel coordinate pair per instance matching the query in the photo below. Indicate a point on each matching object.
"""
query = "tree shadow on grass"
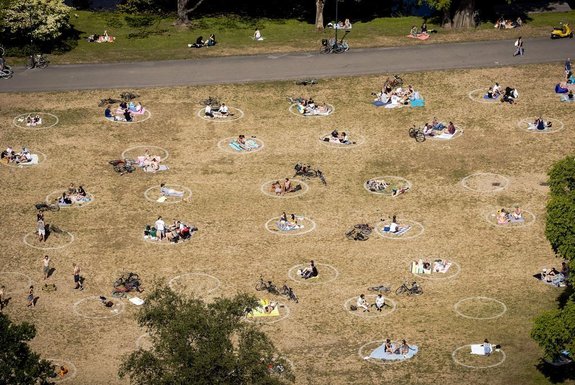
(556, 374)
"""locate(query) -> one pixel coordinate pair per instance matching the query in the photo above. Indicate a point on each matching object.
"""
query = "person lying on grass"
(170, 192)
(336, 137)
(32, 121)
(309, 272)
(12, 156)
(284, 187)
(510, 95)
(285, 224)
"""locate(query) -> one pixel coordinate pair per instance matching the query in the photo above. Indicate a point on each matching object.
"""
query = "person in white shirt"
(258, 35)
(208, 111)
(379, 302)
(393, 227)
(496, 90)
(362, 303)
(223, 109)
(161, 228)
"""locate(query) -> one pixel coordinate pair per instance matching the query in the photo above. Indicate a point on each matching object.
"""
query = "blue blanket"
(381, 354)
(486, 97)
(378, 103)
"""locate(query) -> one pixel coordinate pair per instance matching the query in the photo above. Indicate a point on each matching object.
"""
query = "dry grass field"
(320, 337)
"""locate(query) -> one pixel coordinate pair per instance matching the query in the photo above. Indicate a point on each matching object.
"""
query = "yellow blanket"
(261, 312)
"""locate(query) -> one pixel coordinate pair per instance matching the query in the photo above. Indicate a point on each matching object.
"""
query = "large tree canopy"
(42, 20)
(18, 364)
(203, 343)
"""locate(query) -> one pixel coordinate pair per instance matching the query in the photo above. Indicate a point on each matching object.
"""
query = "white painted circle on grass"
(415, 231)
(143, 342)
(136, 118)
(94, 301)
(176, 285)
(272, 320)
(54, 195)
(234, 114)
(266, 189)
(376, 344)
(309, 226)
(144, 148)
(20, 120)
(392, 181)
(557, 126)
(19, 282)
(41, 158)
(372, 313)
(441, 276)
(294, 111)
(477, 96)
(356, 141)
(485, 299)
(224, 146)
(72, 370)
(35, 234)
(458, 362)
(528, 219)
(321, 267)
(171, 199)
(503, 182)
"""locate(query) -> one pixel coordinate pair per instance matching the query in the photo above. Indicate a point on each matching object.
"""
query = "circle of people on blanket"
(284, 188)
(64, 370)
(343, 139)
(400, 230)
(495, 93)
(541, 125)
(143, 158)
(127, 111)
(389, 185)
(162, 233)
(310, 274)
(438, 130)
(388, 351)
(220, 113)
(71, 197)
(510, 217)
(566, 86)
(480, 308)
(394, 95)
(24, 157)
(168, 193)
(292, 224)
(553, 276)
(370, 305)
(36, 120)
(485, 182)
(91, 308)
(491, 355)
(194, 284)
(435, 269)
(268, 311)
(241, 144)
(308, 107)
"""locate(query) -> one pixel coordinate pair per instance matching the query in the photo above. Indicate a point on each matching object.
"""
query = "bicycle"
(7, 72)
(359, 232)
(306, 171)
(43, 206)
(417, 134)
(212, 102)
(37, 61)
(394, 82)
(107, 101)
(333, 46)
(289, 293)
(267, 286)
(306, 82)
(415, 289)
(128, 96)
(380, 288)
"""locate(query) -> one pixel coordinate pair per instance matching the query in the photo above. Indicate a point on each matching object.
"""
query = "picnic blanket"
(556, 281)
(35, 160)
(259, 311)
(250, 145)
(418, 103)
(441, 266)
(445, 136)
(136, 301)
(419, 36)
(481, 349)
(381, 354)
(486, 97)
(161, 168)
(401, 231)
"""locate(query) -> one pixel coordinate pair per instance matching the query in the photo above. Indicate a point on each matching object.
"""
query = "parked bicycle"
(43, 206)
(306, 171)
(212, 102)
(380, 288)
(359, 232)
(37, 61)
(5, 70)
(394, 82)
(414, 289)
(126, 283)
(123, 166)
(268, 286)
(334, 46)
(289, 293)
(417, 134)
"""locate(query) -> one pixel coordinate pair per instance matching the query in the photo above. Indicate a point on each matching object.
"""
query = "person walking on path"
(30, 298)
(77, 280)
(519, 47)
(46, 264)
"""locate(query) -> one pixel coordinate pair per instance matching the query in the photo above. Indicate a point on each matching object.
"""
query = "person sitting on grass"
(257, 36)
(379, 302)
(437, 125)
(362, 303)
(510, 95)
(211, 41)
(64, 200)
(309, 272)
(208, 111)
(286, 225)
(502, 217)
(170, 192)
(413, 31)
(198, 44)
(450, 129)
(128, 115)
(428, 130)
(403, 348)
(540, 124)
(517, 214)
(223, 110)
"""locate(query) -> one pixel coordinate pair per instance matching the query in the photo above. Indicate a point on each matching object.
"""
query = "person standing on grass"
(77, 280)
(41, 228)
(30, 298)
(519, 47)
(161, 228)
(46, 264)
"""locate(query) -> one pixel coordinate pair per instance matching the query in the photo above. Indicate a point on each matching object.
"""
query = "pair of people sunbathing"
(32, 121)
(73, 195)
(554, 276)
(438, 128)
(396, 347)
(336, 137)
(243, 144)
(540, 124)
(210, 42)
(308, 272)
(504, 216)
(290, 223)
(11, 156)
(380, 186)
(149, 163)
(284, 187)
(221, 112)
(362, 303)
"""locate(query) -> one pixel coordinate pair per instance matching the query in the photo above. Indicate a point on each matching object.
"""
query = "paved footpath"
(241, 69)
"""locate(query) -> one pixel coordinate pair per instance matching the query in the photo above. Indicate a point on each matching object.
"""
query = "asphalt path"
(287, 66)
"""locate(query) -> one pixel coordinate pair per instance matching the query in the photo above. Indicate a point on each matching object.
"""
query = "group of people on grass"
(309, 271)
(567, 85)
(505, 216)
(365, 306)
(345, 25)
(150, 163)
(160, 231)
(33, 121)
(286, 186)
(221, 111)
(125, 111)
(508, 95)
(9, 155)
(290, 223)
(422, 266)
(394, 227)
(553, 276)
(437, 128)
(200, 42)
(309, 107)
(391, 97)
(338, 138)
(73, 195)
(381, 186)
(503, 23)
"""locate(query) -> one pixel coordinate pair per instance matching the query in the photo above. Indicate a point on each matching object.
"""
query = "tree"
(554, 331)
(319, 5)
(202, 343)
(42, 20)
(18, 364)
(184, 10)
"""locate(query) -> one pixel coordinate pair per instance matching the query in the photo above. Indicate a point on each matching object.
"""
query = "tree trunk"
(183, 12)
(463, 17)
(319, 4)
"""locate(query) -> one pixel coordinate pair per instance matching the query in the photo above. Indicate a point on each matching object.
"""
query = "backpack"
(352, 307)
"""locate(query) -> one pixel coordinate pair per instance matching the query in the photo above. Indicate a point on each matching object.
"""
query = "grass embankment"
(167, 41)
